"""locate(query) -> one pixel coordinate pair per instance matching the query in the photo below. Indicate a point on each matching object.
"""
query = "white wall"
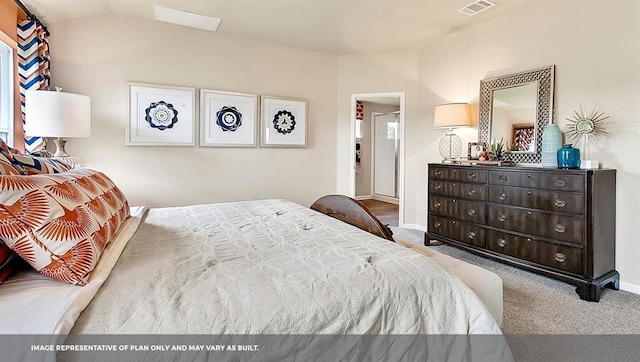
(97, 56)
(594, 45)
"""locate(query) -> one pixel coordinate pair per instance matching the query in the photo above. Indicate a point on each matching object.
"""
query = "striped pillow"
(33, 165)
(61, 223)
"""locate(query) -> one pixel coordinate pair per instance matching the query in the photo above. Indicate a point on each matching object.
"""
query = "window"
(6, 93)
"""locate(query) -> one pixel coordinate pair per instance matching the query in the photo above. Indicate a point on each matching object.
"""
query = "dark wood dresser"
(560, 223)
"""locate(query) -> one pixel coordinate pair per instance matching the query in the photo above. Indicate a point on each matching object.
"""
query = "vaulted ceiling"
(329, 26)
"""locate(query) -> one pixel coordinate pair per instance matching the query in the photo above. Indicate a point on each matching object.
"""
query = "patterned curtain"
(33, 67)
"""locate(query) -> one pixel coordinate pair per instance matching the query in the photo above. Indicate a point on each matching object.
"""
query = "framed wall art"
(228, 119)
(283, 122)
(160, 115)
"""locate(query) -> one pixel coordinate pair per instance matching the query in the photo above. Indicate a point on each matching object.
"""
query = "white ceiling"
(330, 26)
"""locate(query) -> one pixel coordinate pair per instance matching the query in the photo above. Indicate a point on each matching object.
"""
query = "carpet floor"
(535, 304)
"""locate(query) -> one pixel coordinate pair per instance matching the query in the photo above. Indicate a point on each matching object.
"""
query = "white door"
(385, 154)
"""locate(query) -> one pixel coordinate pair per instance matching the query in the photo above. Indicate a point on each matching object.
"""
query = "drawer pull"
(502, 243)
(560, 228)
(560, 203)
(529, 240)
(453, 184)
(438, 187)
(559, 257)
(503, 196)
(454, 201)
(529, 213)
(473, 175)
(560, 182)
(529, 193)
(472, 235)
(455, 171)
(453, 222)
(472, 192)
(503, 178)
(438, 173)
(472, 212)
(437, 204)
(528, 175)
(437, 224)
(502, 217)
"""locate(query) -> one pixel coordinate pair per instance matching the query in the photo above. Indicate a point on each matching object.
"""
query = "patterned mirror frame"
(544, 107)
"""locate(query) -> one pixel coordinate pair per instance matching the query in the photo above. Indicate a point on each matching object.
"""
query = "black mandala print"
(161, 115)
(229, 119)
(284, 122)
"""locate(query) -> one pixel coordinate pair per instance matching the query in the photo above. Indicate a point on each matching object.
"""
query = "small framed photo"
(228, 119)
(283, 122)
(161, 115)
(475, 149)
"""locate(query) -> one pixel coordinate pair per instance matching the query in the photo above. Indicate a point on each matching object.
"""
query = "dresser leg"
(427, 242)
(591, 291)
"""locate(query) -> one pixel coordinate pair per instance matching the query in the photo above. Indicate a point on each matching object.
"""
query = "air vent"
(476, 7)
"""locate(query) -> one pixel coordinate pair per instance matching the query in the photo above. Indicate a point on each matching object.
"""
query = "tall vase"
(551, 143)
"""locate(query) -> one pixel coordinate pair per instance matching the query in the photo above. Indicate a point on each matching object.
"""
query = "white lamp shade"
(452, 115)
(57, 114)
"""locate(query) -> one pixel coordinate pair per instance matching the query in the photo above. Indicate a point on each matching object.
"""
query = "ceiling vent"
(476, 7)
(185, 18)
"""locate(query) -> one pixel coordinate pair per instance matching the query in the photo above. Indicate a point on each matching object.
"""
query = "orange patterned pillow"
(61, 223)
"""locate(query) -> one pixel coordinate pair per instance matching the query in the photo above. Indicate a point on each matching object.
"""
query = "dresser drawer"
(458, 174)
(457, 209)
(544, 224)
(561, 257)
(552, 181)
(463, 190)
(457, 230)
(504, 178)
(537, 199)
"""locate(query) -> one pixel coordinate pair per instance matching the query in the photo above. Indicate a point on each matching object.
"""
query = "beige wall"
(96, 56)
(597, 55)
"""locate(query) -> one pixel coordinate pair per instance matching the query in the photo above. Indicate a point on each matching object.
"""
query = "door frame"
(352, 161)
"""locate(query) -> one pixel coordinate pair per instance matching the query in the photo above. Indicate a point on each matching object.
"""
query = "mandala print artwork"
(284, 122)
(229, 119)
(161, 115)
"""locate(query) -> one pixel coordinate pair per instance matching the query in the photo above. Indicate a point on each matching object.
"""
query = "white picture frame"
(228, 119)
(284, 122)
(160, 115)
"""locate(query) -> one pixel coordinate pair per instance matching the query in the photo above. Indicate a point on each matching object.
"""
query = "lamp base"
(450, 147)
(60, 151)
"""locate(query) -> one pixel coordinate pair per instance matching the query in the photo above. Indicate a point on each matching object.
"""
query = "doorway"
(378, 145)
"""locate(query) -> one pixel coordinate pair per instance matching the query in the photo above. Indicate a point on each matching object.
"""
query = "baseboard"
(631, 288)
(363, 197)
(414, 226)
(388, 199)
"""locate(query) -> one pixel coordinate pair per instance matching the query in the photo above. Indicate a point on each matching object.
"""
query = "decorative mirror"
(515, 109)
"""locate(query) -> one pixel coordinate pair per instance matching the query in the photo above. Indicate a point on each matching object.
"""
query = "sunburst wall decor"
(584, 127)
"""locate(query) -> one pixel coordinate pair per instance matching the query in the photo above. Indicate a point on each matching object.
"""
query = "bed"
(262, 268)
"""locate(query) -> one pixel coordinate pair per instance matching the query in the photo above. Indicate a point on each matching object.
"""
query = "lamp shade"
(451, 115)
(57, 114)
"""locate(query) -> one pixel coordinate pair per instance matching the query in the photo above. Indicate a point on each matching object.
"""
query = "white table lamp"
(57, 114)
(452, 115)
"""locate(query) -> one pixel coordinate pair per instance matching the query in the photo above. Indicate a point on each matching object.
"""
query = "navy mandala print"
(161, 115)
(284, 122)
(229, 119)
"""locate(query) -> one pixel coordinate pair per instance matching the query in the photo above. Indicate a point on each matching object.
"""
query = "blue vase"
(568, 157)
(551, 143)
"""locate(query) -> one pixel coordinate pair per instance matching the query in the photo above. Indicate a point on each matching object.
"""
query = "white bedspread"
(274, 267)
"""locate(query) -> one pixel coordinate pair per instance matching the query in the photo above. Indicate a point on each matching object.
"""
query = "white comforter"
(274, 267)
